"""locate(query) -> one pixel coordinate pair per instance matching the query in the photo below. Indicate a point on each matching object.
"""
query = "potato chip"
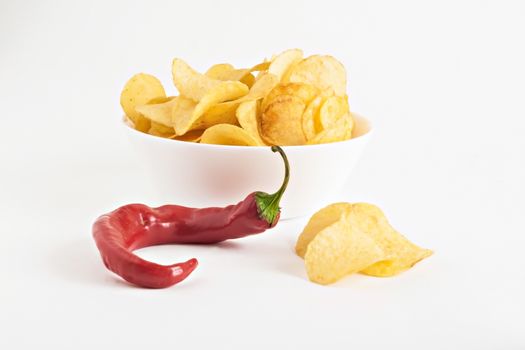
(224, 72)
(261, 88)
(397, 253)
(248, 80)
(189, 82)
(247, 117)
(305, 92)
(226, 134)
(264, 84)
(282, 62)
(340, 131)
(141, 123)
(281, 122)
(401, 254)
(140, 89)
(181, 111)
(190, 136)
(218, 70)
(318, 222)
(332, 110)
(263, 66)
(311, 117)
(338, 250)
(321, 71)
(223, 111)
(159, 110)
(224, 91)
(161, 130)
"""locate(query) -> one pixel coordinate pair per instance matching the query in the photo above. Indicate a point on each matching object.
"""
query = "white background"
(444, 82)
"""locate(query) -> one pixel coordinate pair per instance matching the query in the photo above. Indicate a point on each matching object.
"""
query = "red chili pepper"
(136, 226)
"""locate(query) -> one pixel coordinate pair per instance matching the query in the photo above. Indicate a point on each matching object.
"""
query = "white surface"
(212, 175)
(443, 84)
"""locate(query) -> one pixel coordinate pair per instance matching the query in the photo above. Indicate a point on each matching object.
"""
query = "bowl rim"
(365, 135)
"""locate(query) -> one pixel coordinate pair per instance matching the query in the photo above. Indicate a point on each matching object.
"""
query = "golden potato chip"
(281, 121)
(305, 92)
(141, 123)
(159, 110)
(263, 66)
(321, 71)
(190, 83)
(247, 117)
(332, 110)
(224, 91)
(138, 90)
(338, 250)
(218, 70)
(400, 253)
(182, 111)
(160, 100)
(161, 130)
(311, 117)
(223, 111)
(397, 253)
(340, 131)
(224, 72)
(248, 80)
(190, 136)
(260, 88)
(318, 222)
(282, 62)
(227, 134)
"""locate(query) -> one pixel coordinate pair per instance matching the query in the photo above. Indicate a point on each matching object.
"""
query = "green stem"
(268, 204)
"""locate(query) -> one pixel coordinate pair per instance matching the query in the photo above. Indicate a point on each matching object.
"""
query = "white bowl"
(202, 175)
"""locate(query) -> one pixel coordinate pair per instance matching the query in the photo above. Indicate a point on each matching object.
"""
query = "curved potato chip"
(247, 117)
(138, 90)
(248, 80)
(182, 110)
(225, 71)
(226, 134)
(207, 120)
(401, 254)
(161, 130)
(341, 131)
(261, 66)
(224, 91)
(311, 116)
(338, 250)
(190, 83)
(332, 110)
(281, 122)
(262, 86)
(318, 222)
(159, 110)
(190, 136)
(224, 110)
(305, 92)
(321, 71)
(218, 70)
(141, 123)
(282, 62)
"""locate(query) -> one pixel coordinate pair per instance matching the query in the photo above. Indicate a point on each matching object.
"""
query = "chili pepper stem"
(268, 204)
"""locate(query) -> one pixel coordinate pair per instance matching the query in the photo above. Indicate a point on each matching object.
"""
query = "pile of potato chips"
(345, 238)
(290, 101)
